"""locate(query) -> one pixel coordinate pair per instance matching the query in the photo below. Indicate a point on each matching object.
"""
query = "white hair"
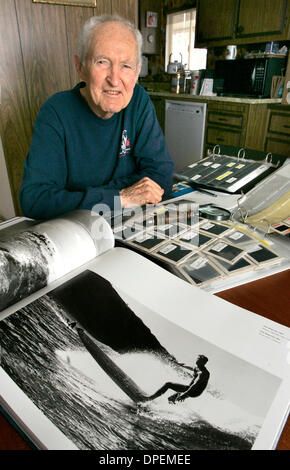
(91, 26)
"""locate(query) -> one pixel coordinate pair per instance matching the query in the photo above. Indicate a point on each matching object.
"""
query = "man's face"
(111, 70)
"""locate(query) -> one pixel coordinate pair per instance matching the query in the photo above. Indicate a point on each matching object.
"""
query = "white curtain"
(180, 35)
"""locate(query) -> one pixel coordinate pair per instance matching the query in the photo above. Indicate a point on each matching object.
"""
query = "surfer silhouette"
(195, 388)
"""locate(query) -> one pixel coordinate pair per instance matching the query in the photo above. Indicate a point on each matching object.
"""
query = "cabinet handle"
(219, 139)
(223, 119)
(240, 29)
(286, 126)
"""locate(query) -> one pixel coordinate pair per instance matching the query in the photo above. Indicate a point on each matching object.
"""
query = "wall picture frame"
(151, 19)
(77, 3)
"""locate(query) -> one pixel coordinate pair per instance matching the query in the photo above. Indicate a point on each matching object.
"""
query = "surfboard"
(112, 369)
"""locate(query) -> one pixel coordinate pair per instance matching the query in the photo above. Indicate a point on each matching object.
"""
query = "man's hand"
(145, 191)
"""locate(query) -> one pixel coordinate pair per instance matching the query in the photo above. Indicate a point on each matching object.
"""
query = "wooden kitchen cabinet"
(225, 125)
(236, 125)
(278, 130)
(270, 19)
(241, 21)
(215, 20)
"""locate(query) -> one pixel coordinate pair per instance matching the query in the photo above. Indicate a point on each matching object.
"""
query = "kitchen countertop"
(227, 99)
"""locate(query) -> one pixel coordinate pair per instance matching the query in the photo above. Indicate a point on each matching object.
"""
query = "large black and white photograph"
(111, 374)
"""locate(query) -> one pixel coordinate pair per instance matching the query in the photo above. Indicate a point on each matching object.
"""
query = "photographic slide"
(171, 230)
(173, 252)
(196, 239)
(214, 228)
(199, 270)
(241, 265)
(147, 241)
(225, 251)
(261, 255)
(237, 237)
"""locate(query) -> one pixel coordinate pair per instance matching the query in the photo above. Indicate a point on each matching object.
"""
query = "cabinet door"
(215, 19)
(277, 146)
(270, 19)
(218, 135)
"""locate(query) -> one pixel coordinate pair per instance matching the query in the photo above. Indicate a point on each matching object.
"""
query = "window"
(180, 36)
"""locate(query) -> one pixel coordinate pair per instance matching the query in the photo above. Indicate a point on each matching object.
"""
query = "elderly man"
(99, 144)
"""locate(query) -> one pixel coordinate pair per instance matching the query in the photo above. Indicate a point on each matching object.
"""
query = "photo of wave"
(45, 354)
(24, 266)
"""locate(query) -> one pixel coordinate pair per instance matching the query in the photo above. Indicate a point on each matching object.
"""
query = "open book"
(102, 349)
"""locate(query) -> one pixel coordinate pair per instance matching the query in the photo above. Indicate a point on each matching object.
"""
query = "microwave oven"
(248, 77)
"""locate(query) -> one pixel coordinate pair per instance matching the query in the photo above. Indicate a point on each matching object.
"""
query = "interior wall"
(6, 204)
(37, 43)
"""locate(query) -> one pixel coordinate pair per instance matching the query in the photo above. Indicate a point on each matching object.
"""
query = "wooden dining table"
(268, 297)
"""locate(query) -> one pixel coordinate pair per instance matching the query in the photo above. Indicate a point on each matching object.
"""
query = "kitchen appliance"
(174, 67)
(249, 77)
(184, 131)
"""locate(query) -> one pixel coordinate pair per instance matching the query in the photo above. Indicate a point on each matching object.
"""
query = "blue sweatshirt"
(77, 160)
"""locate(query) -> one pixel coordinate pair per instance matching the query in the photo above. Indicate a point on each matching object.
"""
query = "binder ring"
(216, 151)
(241, 153)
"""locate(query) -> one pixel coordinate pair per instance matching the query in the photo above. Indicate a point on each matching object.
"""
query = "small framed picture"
(151, 19)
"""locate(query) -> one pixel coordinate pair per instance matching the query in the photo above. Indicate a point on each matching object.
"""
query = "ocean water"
(46, 358)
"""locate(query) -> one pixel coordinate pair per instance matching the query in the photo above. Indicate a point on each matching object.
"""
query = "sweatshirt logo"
(125, 144)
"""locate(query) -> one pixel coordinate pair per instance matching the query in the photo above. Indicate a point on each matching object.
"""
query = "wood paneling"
(44, 47)
(104, 7)
(128, 9)
(37, 44)
(15, 119)
(75, 18)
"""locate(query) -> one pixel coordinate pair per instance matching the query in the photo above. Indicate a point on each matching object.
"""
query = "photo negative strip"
(199, 270)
